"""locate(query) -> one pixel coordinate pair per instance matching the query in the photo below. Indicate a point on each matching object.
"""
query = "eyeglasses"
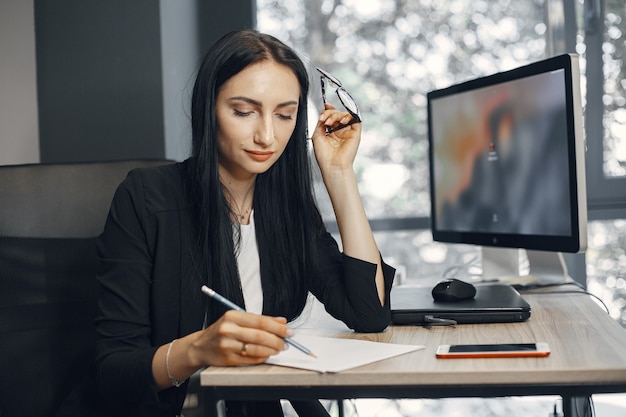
(346, 99)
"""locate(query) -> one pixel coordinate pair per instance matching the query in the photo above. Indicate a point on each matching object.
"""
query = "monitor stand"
(508, 266)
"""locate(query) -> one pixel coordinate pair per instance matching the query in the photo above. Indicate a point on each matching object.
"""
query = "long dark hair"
(286, 217)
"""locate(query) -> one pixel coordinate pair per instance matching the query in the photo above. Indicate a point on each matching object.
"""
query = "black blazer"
(145, 300)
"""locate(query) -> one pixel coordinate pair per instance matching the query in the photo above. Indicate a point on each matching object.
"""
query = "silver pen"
(218, 297)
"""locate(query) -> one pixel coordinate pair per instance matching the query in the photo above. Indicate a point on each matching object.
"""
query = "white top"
(249, 268)
(250, 275)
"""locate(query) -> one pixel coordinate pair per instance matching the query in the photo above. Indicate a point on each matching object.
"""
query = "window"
(389, 54)
(600, 41)
(606, 42)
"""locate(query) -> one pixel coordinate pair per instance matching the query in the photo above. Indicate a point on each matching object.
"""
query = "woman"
(240, 217)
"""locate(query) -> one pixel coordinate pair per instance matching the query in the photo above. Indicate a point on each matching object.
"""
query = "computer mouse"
(452, 289)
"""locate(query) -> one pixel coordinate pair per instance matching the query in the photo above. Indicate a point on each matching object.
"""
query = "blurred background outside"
(389, 54)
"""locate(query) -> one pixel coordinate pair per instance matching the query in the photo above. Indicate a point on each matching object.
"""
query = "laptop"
(493, 303)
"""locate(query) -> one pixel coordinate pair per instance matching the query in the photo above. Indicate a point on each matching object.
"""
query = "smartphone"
(500, 350)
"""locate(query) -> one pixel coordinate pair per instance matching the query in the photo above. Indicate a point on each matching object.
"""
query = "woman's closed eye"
(286, 111)
(242, 113)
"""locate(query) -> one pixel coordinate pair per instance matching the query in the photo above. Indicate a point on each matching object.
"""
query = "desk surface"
(588, 355)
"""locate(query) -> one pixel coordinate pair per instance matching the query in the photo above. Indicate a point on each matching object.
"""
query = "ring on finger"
(244, 349)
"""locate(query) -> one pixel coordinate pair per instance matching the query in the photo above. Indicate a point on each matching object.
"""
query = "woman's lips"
(260, 156)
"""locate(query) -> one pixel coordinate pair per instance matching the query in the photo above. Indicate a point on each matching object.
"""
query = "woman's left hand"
(335, 155)
(335, 151)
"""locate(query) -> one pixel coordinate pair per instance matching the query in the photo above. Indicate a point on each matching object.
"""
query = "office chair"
(50, 216)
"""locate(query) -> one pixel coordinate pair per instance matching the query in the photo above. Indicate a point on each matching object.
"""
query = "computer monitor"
(507, 166)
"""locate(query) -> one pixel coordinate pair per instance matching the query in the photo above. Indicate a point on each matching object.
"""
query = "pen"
(218, 297)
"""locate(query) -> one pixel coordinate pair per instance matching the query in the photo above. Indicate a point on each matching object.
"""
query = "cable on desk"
(528, 289)
(438, 321)
(455, 270)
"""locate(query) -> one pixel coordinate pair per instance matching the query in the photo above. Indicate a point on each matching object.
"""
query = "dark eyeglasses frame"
(356, 117)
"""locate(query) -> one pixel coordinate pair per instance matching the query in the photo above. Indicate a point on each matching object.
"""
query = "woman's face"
(256, 114)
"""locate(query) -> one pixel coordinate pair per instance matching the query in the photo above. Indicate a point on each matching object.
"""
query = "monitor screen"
(507, 159)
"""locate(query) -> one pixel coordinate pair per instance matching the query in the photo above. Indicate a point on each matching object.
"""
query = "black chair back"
(50, 217)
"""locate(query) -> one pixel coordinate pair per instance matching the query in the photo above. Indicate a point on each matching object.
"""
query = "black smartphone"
(499, 350)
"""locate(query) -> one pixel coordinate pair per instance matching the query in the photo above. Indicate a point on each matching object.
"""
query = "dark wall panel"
(215, 21)
(99, 80)
(100, 67)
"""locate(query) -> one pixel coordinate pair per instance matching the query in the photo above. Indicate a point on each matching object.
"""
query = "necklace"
(244, 216)
(238, 213)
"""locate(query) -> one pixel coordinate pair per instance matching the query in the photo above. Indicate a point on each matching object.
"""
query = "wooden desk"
(588, 355)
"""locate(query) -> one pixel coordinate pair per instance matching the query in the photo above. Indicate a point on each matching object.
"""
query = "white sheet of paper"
(336, 355)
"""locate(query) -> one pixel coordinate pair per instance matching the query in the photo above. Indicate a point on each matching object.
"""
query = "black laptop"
(493, 303)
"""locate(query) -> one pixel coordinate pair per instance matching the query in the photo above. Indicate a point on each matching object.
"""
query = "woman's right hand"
(239, 338)
(236, 339)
